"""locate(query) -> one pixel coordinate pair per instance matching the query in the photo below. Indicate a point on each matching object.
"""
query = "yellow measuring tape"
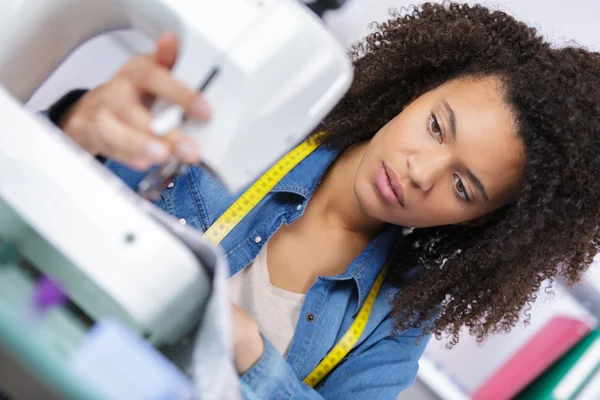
(246, 202)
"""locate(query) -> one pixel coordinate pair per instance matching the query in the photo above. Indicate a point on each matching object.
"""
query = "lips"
(389, 186)
(395, 184)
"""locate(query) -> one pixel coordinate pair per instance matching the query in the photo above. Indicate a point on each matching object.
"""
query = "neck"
(335, 200)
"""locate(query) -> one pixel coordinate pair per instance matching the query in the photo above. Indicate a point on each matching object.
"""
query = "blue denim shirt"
(380, 366)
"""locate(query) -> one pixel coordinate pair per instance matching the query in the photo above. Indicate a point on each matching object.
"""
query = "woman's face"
(451, 156)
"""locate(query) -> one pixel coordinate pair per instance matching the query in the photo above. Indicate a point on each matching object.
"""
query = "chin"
(369, 201)
(371, 205)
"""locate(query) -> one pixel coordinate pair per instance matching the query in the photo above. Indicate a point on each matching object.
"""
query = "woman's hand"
(248, 344)
(114, 119)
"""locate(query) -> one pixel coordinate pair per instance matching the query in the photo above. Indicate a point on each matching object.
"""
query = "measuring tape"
(242, 207)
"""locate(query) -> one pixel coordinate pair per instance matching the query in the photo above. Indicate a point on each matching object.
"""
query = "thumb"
(166, 50)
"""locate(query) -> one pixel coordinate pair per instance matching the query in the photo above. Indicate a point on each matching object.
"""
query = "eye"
(460, 190)
(434, 128)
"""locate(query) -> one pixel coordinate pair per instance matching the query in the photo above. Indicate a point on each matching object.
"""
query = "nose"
(426, 168)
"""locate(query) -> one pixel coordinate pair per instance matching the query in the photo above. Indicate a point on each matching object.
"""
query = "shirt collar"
(304, 178)
(365, 268)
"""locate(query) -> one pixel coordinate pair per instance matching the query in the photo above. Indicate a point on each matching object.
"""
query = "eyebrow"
(477, 183)
(472, 176)
(452, 118)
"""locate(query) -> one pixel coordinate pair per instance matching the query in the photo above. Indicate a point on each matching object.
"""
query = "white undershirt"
(275, 310)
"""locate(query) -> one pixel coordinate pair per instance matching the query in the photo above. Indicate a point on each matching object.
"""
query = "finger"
(157, 81)
(166, 50)
(182, 146)
(127, 144)
(137, 116)
(185, 148)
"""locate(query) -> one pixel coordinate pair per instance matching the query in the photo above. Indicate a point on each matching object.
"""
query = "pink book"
(538, 354)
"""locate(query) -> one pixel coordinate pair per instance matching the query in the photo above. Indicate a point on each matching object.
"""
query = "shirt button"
(257, 239)
(310, 317)
(299, 207)
(182, 221)
(170, 185)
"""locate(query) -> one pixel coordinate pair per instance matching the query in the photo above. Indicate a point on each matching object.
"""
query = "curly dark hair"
(484, 277)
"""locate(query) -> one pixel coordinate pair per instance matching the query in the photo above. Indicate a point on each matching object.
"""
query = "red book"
(538, 354)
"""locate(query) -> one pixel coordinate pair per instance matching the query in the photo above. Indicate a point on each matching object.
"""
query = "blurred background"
(557, 355)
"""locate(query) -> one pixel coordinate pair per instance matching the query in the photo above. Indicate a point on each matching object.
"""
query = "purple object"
(49, 294)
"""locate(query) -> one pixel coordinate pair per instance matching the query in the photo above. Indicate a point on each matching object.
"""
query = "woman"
(462, 124)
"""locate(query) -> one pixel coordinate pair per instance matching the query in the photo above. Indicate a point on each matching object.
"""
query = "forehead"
(487, 141)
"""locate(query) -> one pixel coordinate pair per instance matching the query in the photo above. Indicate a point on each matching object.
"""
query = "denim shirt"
(380, 365)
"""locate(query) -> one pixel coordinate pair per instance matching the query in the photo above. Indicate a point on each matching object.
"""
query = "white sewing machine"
(274, 73)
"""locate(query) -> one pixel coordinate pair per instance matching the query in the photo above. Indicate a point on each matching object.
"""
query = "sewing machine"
(271, 72)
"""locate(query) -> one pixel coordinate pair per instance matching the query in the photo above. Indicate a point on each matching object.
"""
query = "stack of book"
(576, 376)
(535, 359)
